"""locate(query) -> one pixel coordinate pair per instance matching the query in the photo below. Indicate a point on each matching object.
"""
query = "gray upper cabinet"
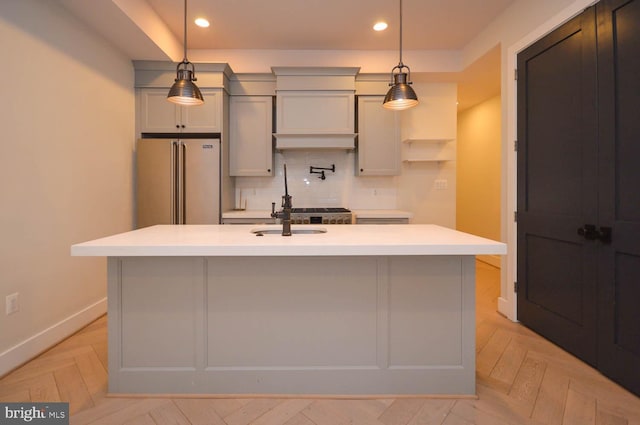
(250, 132)
(157, 115)
(378, 138)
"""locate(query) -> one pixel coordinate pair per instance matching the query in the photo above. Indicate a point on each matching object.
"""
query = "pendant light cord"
(401, 65)
(185, 32)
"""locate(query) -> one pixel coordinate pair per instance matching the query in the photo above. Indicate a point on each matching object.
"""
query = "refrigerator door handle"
(174, 182)
(183, 183)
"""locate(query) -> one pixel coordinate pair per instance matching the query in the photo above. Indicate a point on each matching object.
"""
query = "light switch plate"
(12, 305)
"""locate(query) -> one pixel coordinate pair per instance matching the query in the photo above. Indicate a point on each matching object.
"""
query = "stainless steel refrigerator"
(178, 179)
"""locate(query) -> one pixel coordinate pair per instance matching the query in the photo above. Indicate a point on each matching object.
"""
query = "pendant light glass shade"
(400, 96)
(184, 91)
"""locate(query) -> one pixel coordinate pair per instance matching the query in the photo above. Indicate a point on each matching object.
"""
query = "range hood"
(315, 108)
(315, 141)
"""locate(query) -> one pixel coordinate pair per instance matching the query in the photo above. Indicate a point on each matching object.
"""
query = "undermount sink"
(311, 231)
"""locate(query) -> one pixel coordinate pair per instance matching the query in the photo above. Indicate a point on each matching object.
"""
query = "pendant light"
(400, 96)
(184, 91)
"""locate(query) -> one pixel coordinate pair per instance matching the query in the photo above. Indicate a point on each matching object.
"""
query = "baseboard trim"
(297, 396)
(31, 347)
(505, 308)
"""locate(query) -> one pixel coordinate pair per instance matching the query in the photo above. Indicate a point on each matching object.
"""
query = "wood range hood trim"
(315, 141)
(315, 108)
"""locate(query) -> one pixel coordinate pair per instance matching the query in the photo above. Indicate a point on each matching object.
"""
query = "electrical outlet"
(12, 305)
(440, 184)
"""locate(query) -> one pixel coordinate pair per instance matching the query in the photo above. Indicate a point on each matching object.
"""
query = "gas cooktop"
(329, 215)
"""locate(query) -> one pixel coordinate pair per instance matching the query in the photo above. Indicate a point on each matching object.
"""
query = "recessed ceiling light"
(202, 22)
(380, 26)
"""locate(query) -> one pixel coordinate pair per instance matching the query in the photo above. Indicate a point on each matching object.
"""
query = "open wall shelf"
(428, 150)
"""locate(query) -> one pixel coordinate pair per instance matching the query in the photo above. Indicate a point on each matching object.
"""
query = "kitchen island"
(355, 310)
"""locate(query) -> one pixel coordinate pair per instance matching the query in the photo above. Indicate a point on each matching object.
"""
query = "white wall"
(479, 172)
(515, 22)
(67, 115)
(433, 119)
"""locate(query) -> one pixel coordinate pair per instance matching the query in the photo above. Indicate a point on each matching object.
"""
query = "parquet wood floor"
(522, 380)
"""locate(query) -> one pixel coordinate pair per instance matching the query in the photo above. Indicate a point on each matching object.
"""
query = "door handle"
(604, 234)
(591, 233)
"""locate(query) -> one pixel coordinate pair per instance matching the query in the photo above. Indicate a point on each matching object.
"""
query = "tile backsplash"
(340, 188)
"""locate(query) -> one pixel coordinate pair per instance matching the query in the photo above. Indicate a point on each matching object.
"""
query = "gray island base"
(291, 324)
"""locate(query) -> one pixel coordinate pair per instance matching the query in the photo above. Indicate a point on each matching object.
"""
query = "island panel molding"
(297, 321)
(315, 325)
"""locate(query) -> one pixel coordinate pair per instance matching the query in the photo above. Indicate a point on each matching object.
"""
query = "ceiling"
(153, 29)
(329, 24)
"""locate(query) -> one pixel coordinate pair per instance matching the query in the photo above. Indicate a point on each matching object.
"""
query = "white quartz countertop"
(238, 240)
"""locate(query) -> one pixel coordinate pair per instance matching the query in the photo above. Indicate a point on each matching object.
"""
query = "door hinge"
(515, 74)
(515, 216)
(515, 286)
(515, 145)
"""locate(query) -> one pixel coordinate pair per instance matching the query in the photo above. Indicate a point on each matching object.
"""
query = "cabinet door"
(250, 149)
(378, 138)
(205, 118)
(156, 114)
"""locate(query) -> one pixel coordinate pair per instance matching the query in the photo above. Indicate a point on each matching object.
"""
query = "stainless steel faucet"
(285, 213)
